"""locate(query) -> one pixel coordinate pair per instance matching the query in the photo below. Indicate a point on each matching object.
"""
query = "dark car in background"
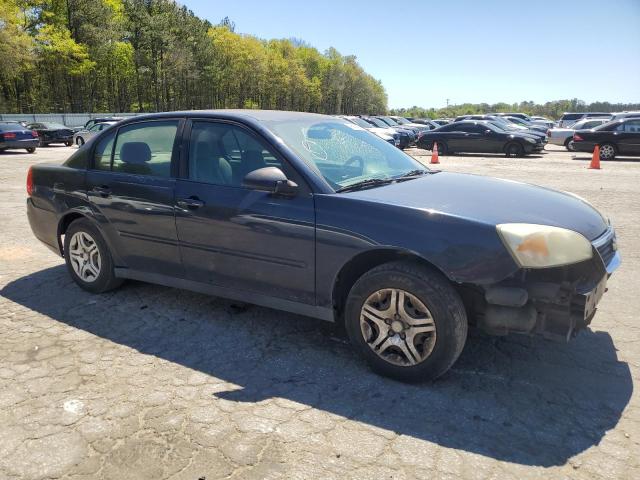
(305, 213)
(619, 137)
(407, 136)
(569, 118)
(49, 133)
(480, 137)
(14, 136)
(504, 124)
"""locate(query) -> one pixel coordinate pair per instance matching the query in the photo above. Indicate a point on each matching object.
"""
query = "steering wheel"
(356, 159)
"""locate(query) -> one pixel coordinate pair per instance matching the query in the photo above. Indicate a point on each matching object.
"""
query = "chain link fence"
(68, 119)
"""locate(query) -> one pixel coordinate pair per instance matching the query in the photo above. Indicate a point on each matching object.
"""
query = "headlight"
(542, 246)
(530, 140)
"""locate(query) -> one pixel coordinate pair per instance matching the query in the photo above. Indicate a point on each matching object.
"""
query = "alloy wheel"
(398, 327)
(607, 152)
(84, 256)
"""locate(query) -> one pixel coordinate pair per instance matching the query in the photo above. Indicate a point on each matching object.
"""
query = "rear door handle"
(190, 203)
(103, 190)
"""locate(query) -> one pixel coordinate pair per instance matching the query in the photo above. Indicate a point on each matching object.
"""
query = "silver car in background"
(84, 135)
(564, 136)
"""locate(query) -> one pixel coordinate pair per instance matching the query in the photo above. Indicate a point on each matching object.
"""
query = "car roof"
(259, 115)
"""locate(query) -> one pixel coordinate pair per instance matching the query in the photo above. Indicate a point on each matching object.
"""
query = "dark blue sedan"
(314, 215)
(13, 136)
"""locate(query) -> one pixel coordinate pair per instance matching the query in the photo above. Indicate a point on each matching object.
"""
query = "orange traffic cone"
(434, 153)
(595, 159)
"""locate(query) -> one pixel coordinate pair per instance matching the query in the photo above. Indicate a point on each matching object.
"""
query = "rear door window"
(102, 152)
(145, 148)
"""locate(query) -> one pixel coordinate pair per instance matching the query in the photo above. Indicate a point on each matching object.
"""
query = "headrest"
(135, 153)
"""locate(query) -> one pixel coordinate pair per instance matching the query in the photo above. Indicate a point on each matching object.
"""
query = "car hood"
(490, 201)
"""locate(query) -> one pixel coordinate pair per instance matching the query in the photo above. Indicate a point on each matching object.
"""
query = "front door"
(629, 138)
(132, 186)
(234, 237)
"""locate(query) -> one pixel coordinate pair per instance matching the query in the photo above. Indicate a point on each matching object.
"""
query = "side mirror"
(271, 180)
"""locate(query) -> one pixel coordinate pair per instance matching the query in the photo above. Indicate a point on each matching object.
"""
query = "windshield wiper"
(413, 173)
(369, 182)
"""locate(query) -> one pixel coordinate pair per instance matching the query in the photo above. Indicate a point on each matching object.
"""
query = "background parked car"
(81, 137)
(14, 136)
(430, 123)
(504, 124)
(621, 137)
(480, 137)
(407, 136)
(386, 134)
(406, 123)
(569, 118)
(621, 115)
(564, 136)
(49, 133)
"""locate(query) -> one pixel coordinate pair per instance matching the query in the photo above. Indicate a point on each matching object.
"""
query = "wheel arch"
(358, 265)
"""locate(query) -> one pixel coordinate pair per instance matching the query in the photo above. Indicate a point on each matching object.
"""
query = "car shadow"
(514, 399)
(493, 155)
(586, 157)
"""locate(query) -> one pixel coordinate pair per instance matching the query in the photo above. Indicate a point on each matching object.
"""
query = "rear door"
(234, 237)
(131, 184)
(629, 138)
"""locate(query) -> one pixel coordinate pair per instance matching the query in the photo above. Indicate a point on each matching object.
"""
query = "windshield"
(517, 120)
(389, 121)
(343, 153)
(377, 122)
(360, 122)
(402, 121)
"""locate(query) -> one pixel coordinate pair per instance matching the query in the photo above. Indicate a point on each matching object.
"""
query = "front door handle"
(102, 190)
(191, 203)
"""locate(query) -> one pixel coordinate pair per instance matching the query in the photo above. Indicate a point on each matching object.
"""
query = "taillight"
(9, 135)
(34, 134)
(577, 138)
(30, 181)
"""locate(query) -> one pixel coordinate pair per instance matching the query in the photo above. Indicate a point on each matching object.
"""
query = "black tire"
(68, 143)
(608, 147)
(442, 148)
(514, 149)
(568, 144)
(432, 289)
(31, 149)
(106, 280)
(79, 141)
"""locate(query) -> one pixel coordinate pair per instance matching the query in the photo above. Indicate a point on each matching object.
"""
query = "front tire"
(607, 151)
(514, 149)
(68, 143)
(569, 145)
(88, 258)
(407, 321)
(31, 150)
(79, 141)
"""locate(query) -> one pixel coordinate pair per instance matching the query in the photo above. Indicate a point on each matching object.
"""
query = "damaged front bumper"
(555, 302)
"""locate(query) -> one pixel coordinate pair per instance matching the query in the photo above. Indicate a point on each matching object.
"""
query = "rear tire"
(88, 258)
(69, 143)
(442, 148)
(607, 151)
(436, 326)
(79, 141)
(31, 149)
(569, 145)
(514, 149)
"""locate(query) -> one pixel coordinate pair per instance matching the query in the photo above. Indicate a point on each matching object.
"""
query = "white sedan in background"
(83, 136)
(564, 136)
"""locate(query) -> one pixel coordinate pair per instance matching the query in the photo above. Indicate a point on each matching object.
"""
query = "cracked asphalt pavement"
(148, 382)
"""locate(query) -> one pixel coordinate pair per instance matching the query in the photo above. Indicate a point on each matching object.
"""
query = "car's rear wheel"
(31, 149)
(79, 141)
(407, 321)
(68, 143)
(88, 258)
(607, 151)
(442, 148)
(569, 145)
(514, 149)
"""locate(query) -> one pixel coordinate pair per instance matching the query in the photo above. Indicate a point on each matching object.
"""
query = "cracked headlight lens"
(542, 246)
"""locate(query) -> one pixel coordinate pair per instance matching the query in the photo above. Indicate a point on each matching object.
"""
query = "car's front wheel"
(79, 141)
(514, 149)
(607, 151)
(88, 258)
(31, 150)
(406, 320)
(569, 145)
(68, 143)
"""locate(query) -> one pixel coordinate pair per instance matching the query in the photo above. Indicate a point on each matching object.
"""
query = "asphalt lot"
(150, 382)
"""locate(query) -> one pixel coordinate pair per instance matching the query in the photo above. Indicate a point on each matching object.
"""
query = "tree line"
(156, 55)
(553, 110)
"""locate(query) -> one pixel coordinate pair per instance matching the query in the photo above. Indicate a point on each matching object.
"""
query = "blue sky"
(467, 51)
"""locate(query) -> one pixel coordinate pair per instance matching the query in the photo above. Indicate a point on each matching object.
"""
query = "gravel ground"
(150, 382)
